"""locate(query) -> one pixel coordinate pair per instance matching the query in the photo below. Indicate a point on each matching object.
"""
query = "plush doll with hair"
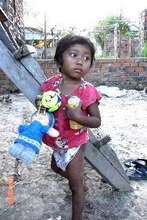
(28, 143)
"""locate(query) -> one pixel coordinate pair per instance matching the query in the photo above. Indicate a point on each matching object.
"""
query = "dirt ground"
(43, 195)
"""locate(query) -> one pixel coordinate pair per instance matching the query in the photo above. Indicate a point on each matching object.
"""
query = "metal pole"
(115, 41)
(45, 38)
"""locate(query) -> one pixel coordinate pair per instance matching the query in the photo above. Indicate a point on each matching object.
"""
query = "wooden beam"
(105, 162)
(19, 74)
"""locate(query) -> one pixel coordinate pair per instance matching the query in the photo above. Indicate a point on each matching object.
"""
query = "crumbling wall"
(14, 11)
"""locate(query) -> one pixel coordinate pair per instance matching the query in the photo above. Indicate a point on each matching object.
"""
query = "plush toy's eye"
(51, 100)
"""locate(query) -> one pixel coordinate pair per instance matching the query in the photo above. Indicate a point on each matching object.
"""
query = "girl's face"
(76, 61)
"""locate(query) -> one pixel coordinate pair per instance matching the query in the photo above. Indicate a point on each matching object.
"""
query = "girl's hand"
(73, 113)
(93, 120)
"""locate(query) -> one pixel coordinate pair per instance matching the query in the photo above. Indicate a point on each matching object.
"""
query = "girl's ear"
(60, 69)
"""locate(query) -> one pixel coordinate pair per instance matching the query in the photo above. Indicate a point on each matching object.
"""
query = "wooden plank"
(18, 74)
(28, 62)
(106, 169)
(33, 67)
(110, 161)
(108, 153)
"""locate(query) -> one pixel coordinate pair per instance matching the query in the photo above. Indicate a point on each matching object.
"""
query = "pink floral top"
(68, 137)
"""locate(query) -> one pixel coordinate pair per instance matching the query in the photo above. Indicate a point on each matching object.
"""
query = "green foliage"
(109, 23)
(105, 55)
(100, 38)
(144, 51)
(133, 31)
(107, 26)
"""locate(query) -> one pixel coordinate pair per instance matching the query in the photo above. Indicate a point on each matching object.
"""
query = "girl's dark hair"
(69, 40)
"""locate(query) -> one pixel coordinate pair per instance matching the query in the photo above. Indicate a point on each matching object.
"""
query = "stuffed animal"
(29, 140)
(51, 100)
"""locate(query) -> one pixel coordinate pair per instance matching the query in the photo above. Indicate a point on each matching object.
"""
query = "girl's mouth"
(78, 70)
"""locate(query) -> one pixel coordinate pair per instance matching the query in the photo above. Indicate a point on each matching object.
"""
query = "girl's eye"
(86, 58)
(73, 54)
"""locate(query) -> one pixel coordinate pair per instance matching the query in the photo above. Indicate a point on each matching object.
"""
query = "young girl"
(74, 57)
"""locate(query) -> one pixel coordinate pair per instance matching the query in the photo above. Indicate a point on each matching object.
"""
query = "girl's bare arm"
(91, 121)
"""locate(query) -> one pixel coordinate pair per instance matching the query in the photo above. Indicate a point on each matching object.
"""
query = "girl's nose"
(79, 60)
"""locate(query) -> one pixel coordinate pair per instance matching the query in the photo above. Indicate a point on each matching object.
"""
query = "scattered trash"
(136, 163)
(136, 174)
(137, 169)
(5, 99)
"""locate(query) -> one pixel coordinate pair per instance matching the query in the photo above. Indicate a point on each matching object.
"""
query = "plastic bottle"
(73, 102)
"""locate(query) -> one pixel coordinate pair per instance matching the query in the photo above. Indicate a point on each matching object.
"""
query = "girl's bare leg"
(74, 173)
(75, 177)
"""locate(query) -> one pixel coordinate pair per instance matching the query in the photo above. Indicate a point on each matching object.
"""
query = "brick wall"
(124, 73)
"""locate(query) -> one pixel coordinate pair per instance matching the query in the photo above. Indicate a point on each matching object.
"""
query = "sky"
(82, 13)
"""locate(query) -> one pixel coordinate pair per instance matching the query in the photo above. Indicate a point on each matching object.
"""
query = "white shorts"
(63, 157)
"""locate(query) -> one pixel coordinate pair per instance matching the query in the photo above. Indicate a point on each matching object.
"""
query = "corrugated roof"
(36, 35)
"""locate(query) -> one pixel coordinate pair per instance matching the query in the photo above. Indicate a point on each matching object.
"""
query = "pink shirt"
(68, 137)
